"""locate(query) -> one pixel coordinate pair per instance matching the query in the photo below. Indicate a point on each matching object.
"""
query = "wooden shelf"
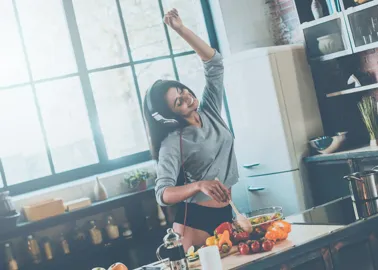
(353, 90)
(25, 228)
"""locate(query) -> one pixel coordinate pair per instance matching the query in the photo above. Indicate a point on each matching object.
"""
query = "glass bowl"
(261, 219)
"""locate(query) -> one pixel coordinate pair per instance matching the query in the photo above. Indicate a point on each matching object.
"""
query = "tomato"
(243, 249)
(267, 245)
(255, 247)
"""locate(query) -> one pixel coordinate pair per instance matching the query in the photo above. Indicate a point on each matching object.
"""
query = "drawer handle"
(252, 189)
(250, 166)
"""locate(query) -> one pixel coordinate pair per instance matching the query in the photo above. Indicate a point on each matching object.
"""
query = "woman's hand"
(173, 19)
(215, 190)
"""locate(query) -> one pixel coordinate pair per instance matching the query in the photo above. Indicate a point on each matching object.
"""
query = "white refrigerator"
(274, 112)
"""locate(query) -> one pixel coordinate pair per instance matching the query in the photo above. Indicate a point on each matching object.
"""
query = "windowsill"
(82, 187)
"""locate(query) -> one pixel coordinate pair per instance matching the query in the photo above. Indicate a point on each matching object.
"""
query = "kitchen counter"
(357, 153)
(323, 235)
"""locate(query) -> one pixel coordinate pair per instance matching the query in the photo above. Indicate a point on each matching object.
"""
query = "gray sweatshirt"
(208, 152)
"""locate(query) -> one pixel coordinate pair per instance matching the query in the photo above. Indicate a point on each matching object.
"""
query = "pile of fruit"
(262, 239)
(277, 231)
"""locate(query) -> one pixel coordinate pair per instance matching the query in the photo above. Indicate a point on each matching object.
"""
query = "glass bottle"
(9, 258)
(33, 249)
(47, 248)
(95, 233)
(111, 228)
(80, 239)
(64, 244)
(126, 231)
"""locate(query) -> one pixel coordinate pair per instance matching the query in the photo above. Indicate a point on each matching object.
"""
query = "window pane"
(47, 38)
(119, 113)
(148, 73)
(100, 32)
(145, 28)
(67, 125)
(190, 69)
(12, 65)
(22, 149)
(192, 15)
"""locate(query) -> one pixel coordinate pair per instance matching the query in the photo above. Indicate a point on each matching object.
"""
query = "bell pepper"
(240, 237)
(210, 241)
(225, 239)
(225, 226)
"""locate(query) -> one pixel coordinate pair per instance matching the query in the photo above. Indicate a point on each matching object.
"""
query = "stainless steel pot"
(364, 185)
(364, 209)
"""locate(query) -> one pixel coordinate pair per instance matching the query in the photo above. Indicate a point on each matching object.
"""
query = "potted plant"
(136, 180)
(368, 109)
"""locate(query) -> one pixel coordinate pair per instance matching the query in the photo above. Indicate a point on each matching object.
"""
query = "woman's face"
(181, 101)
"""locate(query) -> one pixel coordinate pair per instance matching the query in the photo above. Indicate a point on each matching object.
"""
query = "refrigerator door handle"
(250, 166)
(253, 189)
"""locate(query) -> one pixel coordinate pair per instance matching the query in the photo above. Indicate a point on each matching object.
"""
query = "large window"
(73, 74)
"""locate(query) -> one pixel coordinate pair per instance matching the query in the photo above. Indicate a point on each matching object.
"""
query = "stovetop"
(338, 212)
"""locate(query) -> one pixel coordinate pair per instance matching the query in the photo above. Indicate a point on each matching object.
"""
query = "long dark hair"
(157, 131)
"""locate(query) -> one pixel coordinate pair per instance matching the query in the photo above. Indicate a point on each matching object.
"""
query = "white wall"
(241, 24)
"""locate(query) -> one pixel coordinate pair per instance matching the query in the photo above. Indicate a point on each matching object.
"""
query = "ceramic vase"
(99, 190)
(316, 9)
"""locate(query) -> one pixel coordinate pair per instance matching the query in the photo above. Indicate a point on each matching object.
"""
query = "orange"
(118, 266)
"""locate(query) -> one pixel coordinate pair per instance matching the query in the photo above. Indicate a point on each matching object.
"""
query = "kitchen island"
(331, 236)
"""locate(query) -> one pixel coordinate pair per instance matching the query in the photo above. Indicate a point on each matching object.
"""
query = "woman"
(195, 140)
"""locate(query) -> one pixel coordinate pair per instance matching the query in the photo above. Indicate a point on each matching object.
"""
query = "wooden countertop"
(299, 235)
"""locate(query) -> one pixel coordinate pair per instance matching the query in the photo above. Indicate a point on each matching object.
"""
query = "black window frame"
(104, 164)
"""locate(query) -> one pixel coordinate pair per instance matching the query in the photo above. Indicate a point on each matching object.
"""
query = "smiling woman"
(192, 140)
(72, 78)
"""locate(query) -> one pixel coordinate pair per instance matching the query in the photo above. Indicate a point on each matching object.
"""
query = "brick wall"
(285, 22)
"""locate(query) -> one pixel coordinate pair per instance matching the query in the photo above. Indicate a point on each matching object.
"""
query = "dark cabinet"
(315, 260)
(354, 252)
(326, 180)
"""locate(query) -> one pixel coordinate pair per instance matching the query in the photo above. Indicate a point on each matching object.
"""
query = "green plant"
(133, 180)
(368, 109)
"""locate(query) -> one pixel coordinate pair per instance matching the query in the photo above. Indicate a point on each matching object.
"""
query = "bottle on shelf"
(33, 250)
(64, 245)
(47, 248)
(126, 231)
(111, 228)
(95, 233)
(79, 239)
(10, 261)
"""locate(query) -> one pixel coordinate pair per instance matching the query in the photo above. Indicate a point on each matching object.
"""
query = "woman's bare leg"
(192, 237)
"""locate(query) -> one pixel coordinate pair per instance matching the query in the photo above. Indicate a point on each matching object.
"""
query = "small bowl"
(259, 221)
(327, 144)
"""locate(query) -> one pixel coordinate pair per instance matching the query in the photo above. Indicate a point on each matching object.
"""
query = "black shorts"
(203, 218)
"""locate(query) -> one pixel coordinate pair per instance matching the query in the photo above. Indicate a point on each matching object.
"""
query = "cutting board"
(197, 263)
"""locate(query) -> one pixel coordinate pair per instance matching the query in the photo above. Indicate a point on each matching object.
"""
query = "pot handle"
(375, 168)
(353, 176)
(158, 252)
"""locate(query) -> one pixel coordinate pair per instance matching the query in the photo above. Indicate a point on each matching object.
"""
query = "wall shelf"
(25, 228)
(332, 55)
(353, 90)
